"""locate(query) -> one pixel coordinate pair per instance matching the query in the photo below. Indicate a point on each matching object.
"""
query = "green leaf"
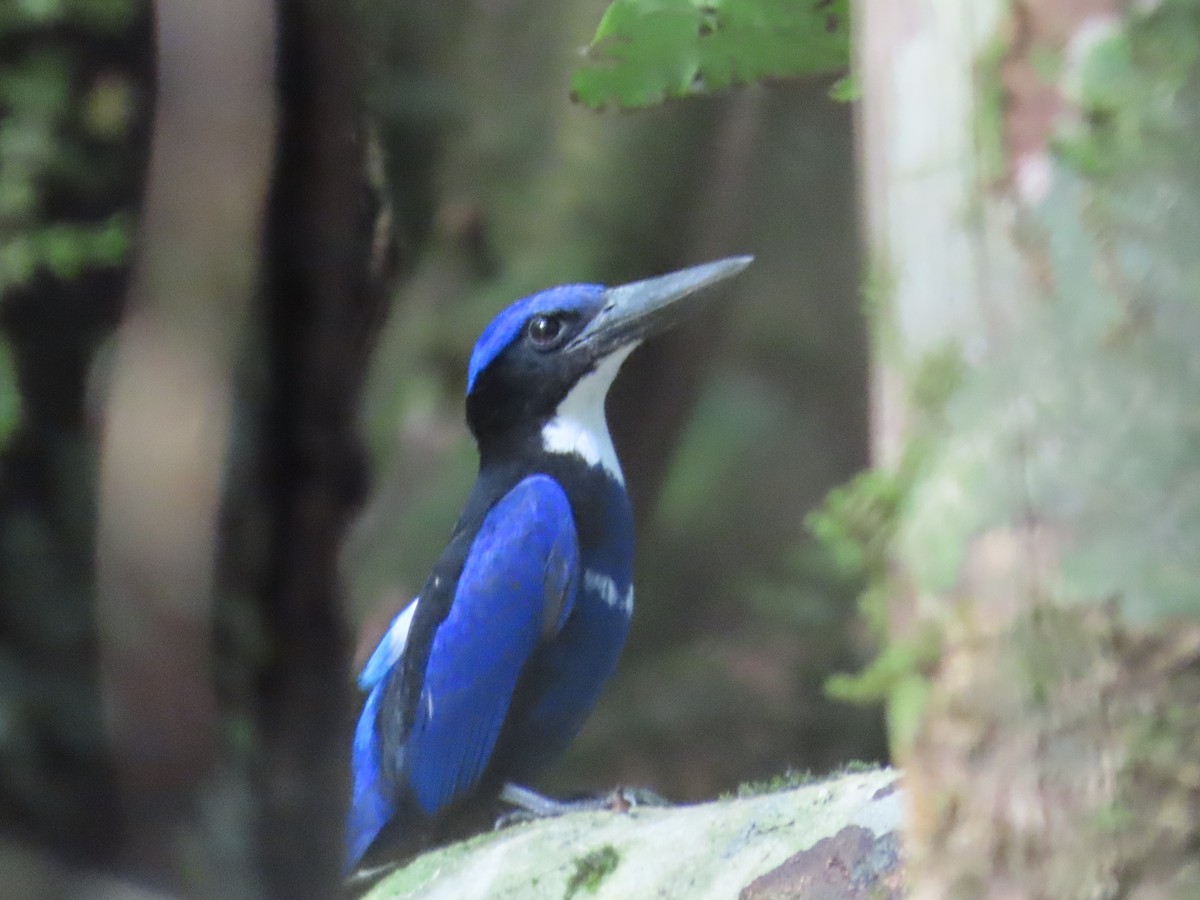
(646, 51)
(65, 249)
(846, 90)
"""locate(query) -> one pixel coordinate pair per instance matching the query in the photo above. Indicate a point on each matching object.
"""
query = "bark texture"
(1033, 199)
(326, 258)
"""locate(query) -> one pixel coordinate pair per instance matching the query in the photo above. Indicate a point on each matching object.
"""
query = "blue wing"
(516, 589)
(517, 586)
(371, 806)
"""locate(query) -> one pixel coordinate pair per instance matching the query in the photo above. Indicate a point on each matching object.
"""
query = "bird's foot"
(623, 799)
(531, 805)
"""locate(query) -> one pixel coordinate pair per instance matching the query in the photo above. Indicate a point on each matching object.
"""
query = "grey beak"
(632, 312)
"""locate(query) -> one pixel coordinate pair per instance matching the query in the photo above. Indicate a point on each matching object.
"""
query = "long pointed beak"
(632, 312)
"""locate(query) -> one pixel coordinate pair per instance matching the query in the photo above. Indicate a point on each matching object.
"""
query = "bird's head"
(556, 352)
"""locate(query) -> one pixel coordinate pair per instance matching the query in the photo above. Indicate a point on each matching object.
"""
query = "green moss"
(989, 109)
(795, 778)
(934, 380)
(856, 767)
(1054, 647)
(878, 291)
(1109, 92)
(858, 523)
(790, 778)
(591, 870)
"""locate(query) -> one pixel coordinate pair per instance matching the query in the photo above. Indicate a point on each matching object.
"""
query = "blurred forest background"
(431, 166)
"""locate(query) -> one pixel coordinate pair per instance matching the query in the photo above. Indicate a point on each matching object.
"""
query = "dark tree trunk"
(325, 302)
(231, 459)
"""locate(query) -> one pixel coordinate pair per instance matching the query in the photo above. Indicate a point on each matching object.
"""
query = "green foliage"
(1128, 87)
(898, 675)
(10, 397)
(846, 89)
(100, 16)
(63, 125)
(64, 249)
(646, 51)
(857, 521)
(857, 524)
(796, 778)
(897, 663)
(790, 778)
(40, 150)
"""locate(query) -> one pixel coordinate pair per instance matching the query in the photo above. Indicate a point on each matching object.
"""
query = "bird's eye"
(544, 331)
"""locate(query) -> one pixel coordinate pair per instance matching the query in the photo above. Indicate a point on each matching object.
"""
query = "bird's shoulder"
(525, 557)
(511, 529)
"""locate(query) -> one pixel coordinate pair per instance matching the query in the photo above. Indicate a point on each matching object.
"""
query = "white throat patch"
(579, 426)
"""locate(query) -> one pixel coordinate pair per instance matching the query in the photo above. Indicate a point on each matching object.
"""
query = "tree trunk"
(1033, 200)
(167, 421)
(325, 303)
(231, 460)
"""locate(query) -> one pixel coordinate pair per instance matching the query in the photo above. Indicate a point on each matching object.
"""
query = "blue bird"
(490, 673)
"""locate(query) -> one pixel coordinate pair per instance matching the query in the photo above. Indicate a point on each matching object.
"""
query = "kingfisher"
(491, 671)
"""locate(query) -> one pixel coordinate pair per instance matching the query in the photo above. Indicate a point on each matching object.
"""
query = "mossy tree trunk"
(1033, 198)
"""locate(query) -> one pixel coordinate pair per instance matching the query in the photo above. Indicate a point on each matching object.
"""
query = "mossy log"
(832, 839)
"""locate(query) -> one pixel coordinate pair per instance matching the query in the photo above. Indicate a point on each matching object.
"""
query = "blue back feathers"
(503, 329)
